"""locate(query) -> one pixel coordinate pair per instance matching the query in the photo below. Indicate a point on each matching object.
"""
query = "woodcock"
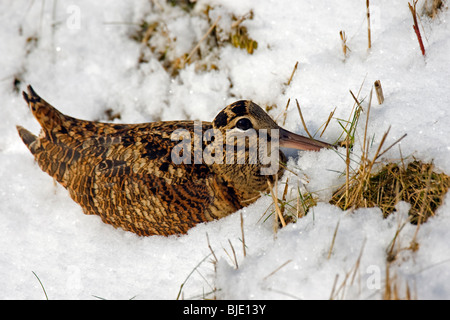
(125, 172)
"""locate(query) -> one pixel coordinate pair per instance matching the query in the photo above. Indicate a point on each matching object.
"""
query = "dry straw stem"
(379, 91)
(369, 37)
(292, 74)
(232, 259)
(286, 186)
(277, 269)
(333, 240)
(279, 214)
(287, 84)
(349, 279)
(285, 111)
(303, 120)
(234, 254)
(345, 48)
(180, 291)
(286, 210)
(392, 287)
(212, 251)
(189, 56)
(328, 121)
(243, 237)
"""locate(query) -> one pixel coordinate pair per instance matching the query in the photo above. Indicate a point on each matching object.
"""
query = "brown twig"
(416, 25)
(369, 37)
(366, 150)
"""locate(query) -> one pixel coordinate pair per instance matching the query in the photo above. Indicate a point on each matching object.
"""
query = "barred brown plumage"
(125, 173)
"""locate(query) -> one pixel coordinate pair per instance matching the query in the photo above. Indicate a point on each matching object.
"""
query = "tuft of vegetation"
(156, 39)
(287, 210)
(417, 183)
(431, 8)
(186, 5)
(239, 36)
(371, 182)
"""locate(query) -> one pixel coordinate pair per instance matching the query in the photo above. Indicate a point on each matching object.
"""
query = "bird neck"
(247, 181)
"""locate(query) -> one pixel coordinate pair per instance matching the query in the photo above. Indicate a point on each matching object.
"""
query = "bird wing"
(123, 173)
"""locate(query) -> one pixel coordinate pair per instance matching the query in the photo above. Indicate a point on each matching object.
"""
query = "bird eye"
(244, 124)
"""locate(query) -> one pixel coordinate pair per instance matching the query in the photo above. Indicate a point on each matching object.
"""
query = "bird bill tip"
(295, 141)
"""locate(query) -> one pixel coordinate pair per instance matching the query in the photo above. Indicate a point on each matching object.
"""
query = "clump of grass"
(156, 39)
(240, 38)
(111, 115)
(289, 209)
(372, 183)
(186, 5)
(417, 183)
(433, 7)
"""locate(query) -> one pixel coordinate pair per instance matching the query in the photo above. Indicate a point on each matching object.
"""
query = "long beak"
(294, 141)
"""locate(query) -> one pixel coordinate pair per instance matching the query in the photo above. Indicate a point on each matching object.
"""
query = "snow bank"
(81, 58)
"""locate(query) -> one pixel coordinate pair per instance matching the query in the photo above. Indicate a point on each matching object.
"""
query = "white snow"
(79, 56)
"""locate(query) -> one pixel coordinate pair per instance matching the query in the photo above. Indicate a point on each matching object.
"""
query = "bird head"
(245, 115)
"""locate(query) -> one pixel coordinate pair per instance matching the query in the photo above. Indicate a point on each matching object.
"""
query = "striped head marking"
(243, 115)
